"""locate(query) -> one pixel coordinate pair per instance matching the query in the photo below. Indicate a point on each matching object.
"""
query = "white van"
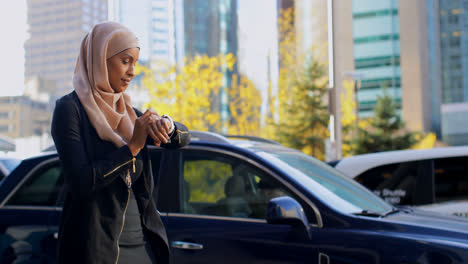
(432, 179)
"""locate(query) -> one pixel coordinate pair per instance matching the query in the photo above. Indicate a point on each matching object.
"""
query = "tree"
(386, 131)
(189, 93)
(244, 107)
(297, 115)
(306, 125)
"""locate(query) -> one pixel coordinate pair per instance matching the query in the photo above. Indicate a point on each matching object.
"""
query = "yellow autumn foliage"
(191, 94)
(188, 93)
(244, 107)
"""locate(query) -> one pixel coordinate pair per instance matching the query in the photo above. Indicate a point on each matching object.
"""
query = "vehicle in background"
(242, 201)
(432, 179)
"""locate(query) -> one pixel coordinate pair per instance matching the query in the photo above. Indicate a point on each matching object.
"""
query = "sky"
(13, 28)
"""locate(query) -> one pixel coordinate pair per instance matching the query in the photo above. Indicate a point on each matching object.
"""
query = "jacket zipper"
(121, 165)
(181, 132)
(123, 223)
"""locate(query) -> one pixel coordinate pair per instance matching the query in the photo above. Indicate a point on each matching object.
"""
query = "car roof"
(355, 165)
(251, 143)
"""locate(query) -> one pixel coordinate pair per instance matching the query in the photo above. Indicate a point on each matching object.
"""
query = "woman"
(109, 214)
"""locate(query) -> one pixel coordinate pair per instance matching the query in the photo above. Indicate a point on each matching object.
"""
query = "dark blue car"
(239, 201)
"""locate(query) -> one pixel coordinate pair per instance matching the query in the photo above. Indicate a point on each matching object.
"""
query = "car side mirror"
(284, 210)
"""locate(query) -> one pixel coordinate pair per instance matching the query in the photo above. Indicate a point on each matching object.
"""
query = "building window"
(376, 38)
(159, 9)
(4, 128)
(162, 41)
(453, 19)
(160, 20)
(455, 62)
(455, 42)
(5, 115)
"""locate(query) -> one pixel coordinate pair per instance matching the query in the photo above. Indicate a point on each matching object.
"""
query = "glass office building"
(434, 65)
(454, 65)
(376, 37)
(210, 28)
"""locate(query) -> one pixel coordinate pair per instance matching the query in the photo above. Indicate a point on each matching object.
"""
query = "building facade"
(153, 21)
(56, 28)
(22, 117)
(420, 65)
(163, 31)
(210, 28)
(388, 46)
(376, 42)
(136, 15)
(396, 52)
(454, 65)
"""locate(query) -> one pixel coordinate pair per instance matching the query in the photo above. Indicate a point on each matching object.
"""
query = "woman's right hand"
(140, 133)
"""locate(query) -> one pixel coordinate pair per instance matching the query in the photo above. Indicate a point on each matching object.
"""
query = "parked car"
(7, 165)
(432, 179)
(243, 201)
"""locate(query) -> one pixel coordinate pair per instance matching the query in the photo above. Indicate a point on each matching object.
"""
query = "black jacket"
(96, 194)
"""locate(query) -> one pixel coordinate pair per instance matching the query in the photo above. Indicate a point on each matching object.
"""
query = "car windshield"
(329, 185)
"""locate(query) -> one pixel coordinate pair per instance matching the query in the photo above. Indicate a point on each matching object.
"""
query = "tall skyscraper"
(395, 51)
(162, 31)
(210, 28)
(56, 29)
(368, 39)
(420, 65)
(376, 41)
(153, 22)
(136, 15)
(454, 66)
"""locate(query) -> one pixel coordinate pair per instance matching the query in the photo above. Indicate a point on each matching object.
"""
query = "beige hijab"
(110, 113)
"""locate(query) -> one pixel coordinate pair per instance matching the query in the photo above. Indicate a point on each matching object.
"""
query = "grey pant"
(137, 254)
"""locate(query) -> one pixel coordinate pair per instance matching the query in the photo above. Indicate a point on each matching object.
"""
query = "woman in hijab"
(109, 213)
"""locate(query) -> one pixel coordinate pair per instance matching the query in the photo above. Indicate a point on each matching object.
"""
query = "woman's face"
(121, 69)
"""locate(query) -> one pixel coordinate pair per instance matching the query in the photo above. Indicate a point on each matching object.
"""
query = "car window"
(40, 189)
(395, 183)
(221, 185)
(10, 163)
(451, 178)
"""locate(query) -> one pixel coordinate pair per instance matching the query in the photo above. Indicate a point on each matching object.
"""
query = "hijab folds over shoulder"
(110, 113)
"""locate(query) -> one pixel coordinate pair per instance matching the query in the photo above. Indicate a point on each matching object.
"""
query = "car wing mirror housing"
(284, 210)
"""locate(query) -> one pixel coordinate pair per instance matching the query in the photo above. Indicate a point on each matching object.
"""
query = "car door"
(27, 236)
(219, 216)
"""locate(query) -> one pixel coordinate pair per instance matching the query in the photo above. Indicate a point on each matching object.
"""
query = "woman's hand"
(159, 128)
(140, 132)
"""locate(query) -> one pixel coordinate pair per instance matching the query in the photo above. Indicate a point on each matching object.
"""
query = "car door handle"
(186, 245)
